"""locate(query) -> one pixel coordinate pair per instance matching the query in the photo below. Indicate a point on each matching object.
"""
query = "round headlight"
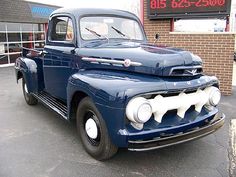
(139, 110)
(144, 112)
(214, 97)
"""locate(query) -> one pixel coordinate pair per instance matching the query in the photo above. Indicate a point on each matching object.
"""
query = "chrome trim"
(52, 103)
(111, 61)
(146, 145)
(175, 91)
(185, 68)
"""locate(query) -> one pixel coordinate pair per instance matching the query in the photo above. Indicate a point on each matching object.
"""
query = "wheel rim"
(26, 92)
(26, 89)
(92, 128)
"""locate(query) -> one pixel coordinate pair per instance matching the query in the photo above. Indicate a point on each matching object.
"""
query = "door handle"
(72, 51)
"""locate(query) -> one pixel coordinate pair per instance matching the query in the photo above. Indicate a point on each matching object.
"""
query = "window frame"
(55, 42)
(109, 15)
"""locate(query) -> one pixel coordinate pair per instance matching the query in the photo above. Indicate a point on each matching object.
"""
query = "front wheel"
(29, 98)
(93, 131)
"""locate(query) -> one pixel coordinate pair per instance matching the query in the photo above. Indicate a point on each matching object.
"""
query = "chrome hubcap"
(91, 128)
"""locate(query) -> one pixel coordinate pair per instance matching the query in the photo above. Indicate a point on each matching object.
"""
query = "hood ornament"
(185, 70)
(193, 71)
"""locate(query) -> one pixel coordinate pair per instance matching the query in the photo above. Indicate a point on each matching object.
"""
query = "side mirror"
(157, 36)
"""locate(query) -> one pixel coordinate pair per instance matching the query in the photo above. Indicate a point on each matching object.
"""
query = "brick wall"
(215, 49)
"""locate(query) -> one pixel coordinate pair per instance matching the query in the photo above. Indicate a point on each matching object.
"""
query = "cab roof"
(77, 12)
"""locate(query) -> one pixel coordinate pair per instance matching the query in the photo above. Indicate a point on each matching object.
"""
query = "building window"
(38, 36)
(13, 36)
(3, 36)
(38, 27)
(27, 27)
(2, 26)
(14, 47)
(3, 59)
(13, 27)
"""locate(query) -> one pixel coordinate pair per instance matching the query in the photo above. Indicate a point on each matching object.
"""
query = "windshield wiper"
(96, 34)
(119, 32)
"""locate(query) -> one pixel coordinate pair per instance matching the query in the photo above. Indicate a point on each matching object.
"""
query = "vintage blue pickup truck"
(98, 68)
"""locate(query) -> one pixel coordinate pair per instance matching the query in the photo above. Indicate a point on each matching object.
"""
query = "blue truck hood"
(155, 60)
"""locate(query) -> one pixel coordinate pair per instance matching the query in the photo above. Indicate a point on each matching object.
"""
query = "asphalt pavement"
(36, 142)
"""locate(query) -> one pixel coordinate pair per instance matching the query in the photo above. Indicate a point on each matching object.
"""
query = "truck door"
(59, 56)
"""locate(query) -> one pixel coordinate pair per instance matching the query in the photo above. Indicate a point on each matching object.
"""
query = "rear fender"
(29, 69)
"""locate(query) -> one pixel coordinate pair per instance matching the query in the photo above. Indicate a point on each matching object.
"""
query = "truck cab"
(98, 68)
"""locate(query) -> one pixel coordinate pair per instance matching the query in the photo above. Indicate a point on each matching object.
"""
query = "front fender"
(110, 91)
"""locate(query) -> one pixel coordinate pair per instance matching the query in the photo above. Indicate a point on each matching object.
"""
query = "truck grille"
(186, 71)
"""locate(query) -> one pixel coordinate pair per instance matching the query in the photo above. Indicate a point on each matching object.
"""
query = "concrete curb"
(232, 150)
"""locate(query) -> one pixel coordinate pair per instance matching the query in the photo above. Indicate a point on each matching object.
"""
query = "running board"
(52, 103)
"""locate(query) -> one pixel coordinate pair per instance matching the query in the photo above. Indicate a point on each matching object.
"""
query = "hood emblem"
(127, 62)
(193, 71)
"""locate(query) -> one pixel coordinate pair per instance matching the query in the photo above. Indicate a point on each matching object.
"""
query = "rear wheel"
(29, 98)
(93, 131)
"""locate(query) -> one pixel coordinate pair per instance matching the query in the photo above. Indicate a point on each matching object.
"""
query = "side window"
(62, 29)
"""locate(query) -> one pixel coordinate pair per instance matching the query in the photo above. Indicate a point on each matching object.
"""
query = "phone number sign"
(188, 8)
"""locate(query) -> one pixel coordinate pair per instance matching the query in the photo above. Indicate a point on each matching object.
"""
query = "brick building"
(215, 49)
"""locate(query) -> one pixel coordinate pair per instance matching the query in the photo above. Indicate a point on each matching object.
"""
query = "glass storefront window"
(13, 27)
(13, 57)
(3, 37)
(39, 44)
(38, 27)
(3, 59)
(27, 27)
(27, 37)
(2, 26)
(14, 37)
(41, 27)
(29, 45)
(2, 48)
(14, 47)
(39, 36)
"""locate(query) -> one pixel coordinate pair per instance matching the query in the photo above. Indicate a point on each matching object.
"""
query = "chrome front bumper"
(160, 142)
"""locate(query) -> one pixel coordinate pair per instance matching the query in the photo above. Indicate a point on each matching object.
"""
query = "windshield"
(110, 28)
